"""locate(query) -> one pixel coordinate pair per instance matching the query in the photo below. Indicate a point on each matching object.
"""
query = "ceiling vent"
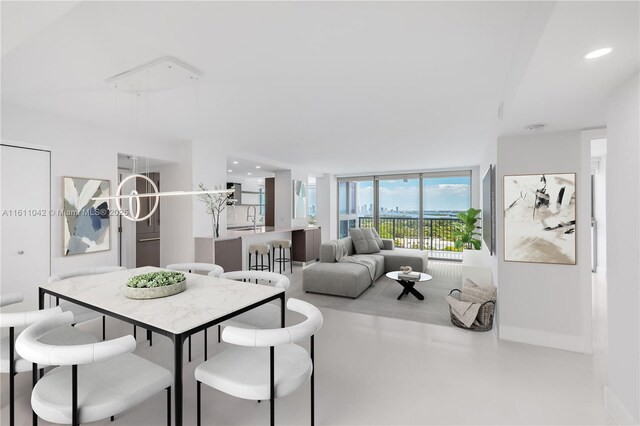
(160, 75)
(535, 128)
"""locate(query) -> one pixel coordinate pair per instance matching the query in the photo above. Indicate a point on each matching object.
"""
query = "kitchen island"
(230, 250)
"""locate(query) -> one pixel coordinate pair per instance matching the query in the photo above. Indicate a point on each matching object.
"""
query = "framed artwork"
(540, 218)
(86, 221)
(489, 209)
(299, 199)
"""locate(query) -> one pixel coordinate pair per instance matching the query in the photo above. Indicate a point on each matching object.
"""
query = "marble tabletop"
(205, 299)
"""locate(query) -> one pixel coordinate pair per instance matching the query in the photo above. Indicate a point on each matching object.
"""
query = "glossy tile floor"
(383, 371)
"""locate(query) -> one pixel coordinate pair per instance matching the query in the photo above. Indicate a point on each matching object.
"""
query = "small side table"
(408, 286)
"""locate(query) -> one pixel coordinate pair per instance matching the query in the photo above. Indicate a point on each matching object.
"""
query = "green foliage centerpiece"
(464, 232)
(155, 284)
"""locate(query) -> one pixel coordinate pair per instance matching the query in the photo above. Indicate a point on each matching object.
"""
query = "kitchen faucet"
(254, 217)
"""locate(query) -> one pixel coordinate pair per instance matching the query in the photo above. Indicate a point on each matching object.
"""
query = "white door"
(25, 229)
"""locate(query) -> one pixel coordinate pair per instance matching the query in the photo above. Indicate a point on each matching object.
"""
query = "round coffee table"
(408, 286)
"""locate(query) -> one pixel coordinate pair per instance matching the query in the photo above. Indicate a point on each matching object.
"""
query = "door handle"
(144, 240)
(21, 252)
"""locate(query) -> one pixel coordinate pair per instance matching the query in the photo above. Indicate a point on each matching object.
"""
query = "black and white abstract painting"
(540, 218)
(86, 221)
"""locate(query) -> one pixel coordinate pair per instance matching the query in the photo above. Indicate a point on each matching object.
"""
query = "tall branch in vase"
(215, 205)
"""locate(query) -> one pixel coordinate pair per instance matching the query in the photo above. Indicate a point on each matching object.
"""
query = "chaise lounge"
(350, 265)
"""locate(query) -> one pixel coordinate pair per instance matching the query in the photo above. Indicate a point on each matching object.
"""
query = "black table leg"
(178, 341)
(282, 309)
(409, 288)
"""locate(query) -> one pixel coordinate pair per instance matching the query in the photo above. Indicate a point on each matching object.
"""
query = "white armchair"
(94, 381)
(264, 364)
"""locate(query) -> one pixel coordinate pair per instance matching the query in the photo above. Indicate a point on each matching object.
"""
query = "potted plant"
(155, 284)
(464, 232)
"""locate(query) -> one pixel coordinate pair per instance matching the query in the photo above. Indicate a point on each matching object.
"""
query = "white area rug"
(381, 299)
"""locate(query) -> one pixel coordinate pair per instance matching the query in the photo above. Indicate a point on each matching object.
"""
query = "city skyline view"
(403, 195)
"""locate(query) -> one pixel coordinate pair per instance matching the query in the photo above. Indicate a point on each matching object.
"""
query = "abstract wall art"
(86, 222)
(540, 218)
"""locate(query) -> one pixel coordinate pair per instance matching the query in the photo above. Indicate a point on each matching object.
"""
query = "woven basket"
(484, 320)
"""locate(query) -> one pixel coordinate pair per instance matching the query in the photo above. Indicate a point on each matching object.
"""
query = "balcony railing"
(405, 232)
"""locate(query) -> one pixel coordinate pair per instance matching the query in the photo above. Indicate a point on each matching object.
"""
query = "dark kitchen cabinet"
(148, 230)
(306, 244)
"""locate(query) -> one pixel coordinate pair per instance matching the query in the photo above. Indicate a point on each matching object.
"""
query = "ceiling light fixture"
(159, 75)
(133, 213)
(229, 171)
(249, 173)
(598, 53)
(235, 162)
(535, 127)
(257, 167)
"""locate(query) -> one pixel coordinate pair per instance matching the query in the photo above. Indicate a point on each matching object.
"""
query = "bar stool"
(282, 259)
(260, 249)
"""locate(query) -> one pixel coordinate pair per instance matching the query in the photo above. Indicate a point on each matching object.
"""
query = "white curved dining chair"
(10, 362)
(264, 364)
(212, 270)
(80, 313)
(264, 316)
(94, 381)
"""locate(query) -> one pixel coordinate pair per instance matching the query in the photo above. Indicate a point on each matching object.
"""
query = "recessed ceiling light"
(235, 162)
(257, 167)
(598, 53)
(229, 171)
(249, 173)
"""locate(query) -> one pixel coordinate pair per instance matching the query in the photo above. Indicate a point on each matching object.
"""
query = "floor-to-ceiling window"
(399, 210)
(355, 205)
(415, 210)
(445, 194)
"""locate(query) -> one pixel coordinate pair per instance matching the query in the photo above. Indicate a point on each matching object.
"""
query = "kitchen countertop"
(248, 233)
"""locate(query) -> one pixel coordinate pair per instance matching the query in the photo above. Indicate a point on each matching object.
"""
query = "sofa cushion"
(394, 259)
(339, 279)
(376, 237)
(364, 241)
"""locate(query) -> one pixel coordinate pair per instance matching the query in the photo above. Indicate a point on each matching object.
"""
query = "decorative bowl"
(155, 285)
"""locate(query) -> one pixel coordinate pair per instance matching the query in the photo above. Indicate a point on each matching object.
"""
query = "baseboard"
(617, 409)
(565, 342)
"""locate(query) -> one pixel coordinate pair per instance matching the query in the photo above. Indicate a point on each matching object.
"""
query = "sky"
(449, 193)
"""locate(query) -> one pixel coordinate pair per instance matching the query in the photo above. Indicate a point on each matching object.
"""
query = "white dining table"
(207, 301)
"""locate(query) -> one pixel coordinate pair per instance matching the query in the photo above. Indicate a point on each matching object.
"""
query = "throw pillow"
(376, 237)
(472, 292)
(363, 241)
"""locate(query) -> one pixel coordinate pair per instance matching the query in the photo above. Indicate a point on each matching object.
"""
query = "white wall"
(175, 246)
(327, 205)
(623, 268)
(490, 157)
(546, 304)
(298, 174)
(84, 149)
(209, 163)
(283, 199)
(600, 212)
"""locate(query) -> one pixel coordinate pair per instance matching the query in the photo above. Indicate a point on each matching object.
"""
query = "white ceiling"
(241, 166)
(334, 86)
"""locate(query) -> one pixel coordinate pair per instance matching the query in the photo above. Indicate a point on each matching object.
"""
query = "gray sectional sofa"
(341, 273)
